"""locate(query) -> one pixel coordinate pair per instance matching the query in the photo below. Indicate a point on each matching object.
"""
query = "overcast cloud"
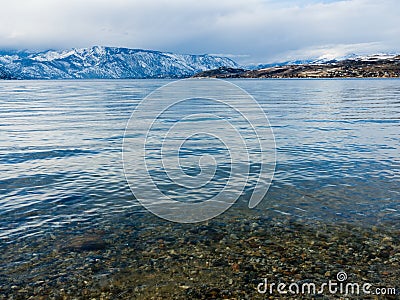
(250, 31)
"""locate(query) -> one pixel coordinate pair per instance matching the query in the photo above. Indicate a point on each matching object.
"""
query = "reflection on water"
(60, 151)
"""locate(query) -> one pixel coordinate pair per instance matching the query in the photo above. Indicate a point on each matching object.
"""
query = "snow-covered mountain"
(105, 62)
(353, 57)
(326, 59)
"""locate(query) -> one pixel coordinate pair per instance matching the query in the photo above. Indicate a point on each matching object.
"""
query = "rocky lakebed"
(138, 256)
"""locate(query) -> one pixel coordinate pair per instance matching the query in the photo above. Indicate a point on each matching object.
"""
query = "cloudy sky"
(250, 31)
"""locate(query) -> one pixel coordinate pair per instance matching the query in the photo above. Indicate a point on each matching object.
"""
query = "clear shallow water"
(337, 144)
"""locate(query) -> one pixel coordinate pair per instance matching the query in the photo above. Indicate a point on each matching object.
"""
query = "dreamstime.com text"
(339, 286)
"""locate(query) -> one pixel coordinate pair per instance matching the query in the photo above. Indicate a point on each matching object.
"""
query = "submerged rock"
(85, 243)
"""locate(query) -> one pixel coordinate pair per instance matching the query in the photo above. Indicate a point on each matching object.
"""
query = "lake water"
(337, 143)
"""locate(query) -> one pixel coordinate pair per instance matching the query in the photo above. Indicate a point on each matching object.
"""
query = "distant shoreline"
(378, 68)
(197, 77)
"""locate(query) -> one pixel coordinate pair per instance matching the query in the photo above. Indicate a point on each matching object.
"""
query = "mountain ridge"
(324, 59)
(372, 66)
(101, 62)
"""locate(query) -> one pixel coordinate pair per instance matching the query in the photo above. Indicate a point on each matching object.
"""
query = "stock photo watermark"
(193, 147)
(340, 286)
